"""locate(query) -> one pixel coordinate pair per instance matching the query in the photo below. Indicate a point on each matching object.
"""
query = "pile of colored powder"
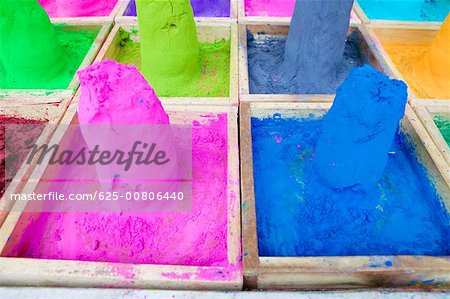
(303, 211)
(105, 96)
(78, 8)
(298, 217)
(425, 66)
(406, 10)
(29, 49)
(443, 124)
(315, 44)
(214, 59)
(358, 130)
(75, 43)
(26, 135)
(195, 238)
(273, 8)
(266, 54)
(201, 8)
(431, 75)
(169, 45)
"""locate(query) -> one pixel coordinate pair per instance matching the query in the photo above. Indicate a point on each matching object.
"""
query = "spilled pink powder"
(196, 238)
(273, 8)
(78, 8)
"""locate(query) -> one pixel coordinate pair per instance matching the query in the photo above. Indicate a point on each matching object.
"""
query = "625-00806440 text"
(99, 195)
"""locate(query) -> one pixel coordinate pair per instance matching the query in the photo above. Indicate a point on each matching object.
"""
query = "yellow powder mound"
(432, 72)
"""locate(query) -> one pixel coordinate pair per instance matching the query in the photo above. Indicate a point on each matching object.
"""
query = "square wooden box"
(255, 20)
(69, 273)
(426, 109)
(368, 48)
(121, 18)
(207, 32)
(388, 23)
(108, 19)
(340, 272)
(50, 96)
(52, 115)
(415, 35)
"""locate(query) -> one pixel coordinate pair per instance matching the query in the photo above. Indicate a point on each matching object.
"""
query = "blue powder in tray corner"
(266, 54)
(297, 217)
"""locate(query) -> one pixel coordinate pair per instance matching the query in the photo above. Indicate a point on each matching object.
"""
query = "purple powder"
(202, 8)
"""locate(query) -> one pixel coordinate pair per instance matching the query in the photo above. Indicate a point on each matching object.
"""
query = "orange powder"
(425, 67)
(432, 72)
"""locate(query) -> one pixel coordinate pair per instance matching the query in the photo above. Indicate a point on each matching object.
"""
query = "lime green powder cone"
(169, 45)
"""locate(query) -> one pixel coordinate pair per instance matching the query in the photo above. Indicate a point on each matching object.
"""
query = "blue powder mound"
(358, 130)
(266, 55)
(297, 216)
(406, 10)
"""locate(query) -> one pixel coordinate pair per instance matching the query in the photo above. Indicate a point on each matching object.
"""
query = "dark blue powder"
(297, 216)
(265, 57)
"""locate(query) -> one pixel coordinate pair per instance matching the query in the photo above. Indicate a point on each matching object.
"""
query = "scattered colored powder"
(13, 156)
(432, 73)
(358, 130)
(169, 45)
(214, 58)
(297, 216)
(443, 124)
(274, 8)
(315, 44)
(75, 44)
(266, 54)
(78, 8)
(406, 10)
(201, 8)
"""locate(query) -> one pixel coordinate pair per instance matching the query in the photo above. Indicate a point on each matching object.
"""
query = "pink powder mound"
(196, 238)
(77, 8)
(106, 96)
(273, 8)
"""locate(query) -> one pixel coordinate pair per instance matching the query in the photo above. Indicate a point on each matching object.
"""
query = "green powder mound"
(443, 125)
(213, 81)
(75, 44)
(169, 45)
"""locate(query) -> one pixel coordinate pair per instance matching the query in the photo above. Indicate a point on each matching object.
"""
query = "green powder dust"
(443, 124)
(75, 42)
(215, 68)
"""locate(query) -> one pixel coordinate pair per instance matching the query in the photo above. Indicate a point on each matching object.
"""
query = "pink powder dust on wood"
(78, 8)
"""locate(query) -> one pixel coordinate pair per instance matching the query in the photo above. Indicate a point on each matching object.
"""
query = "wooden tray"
(260, 20)
(49, 96)
(368, 48)
(121, 18)
(65, 273)
(389, 23)
(206, 32)
(109, 18)
(413, 35)
(340, 272)
(426, 109)
(51, 112)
